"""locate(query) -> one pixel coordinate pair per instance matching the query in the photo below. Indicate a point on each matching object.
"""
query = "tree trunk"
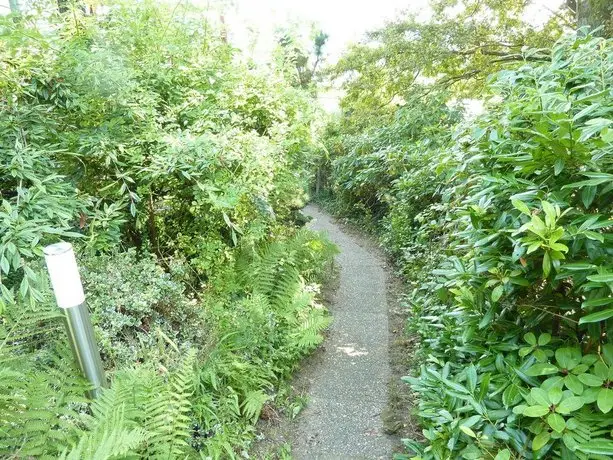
(14, 5)
(584, 13)
(592, 13)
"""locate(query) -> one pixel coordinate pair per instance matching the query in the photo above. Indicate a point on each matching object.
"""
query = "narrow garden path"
(348, 386)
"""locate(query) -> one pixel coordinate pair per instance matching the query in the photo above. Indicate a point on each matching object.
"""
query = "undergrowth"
(176, 167)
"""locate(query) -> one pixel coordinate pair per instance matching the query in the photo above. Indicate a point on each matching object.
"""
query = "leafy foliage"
(295, 58)
(457, 48)
(509, 216)
(259, 339)
(138, 309)
(176, 169)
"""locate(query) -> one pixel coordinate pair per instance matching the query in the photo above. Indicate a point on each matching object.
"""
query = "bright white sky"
(345, 21)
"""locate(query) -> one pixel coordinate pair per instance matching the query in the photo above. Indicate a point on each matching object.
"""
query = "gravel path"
(348, 387)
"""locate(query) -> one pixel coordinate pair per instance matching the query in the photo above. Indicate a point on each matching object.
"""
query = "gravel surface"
(348, 387)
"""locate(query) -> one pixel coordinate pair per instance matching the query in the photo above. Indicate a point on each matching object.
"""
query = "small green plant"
(138, 310)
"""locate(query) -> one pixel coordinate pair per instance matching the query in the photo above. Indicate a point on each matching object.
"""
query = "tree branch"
(489, 45)
(520, 57)
(560, 17)
(456, 78)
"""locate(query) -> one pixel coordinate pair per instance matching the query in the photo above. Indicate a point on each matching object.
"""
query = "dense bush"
(530, 228)
(131, 132)
(386, 174)
(513, 218)
(136, 306)
(175, 167)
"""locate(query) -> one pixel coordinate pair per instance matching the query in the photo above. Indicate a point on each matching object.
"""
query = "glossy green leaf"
(573, 384)
(568, 357)
(597, 302)
(544, 339)
(554, 395)
(546, 264)
(468, 431)
(471, 377)
(602, 278)
(590, 380)
(521, 206)
(569, 405)
(497, 293)
(541, 369)
(504, 454)
(540, 440)
(596, 317)
(588, 194)
(556, 422)
(536, 411)
(605, 400)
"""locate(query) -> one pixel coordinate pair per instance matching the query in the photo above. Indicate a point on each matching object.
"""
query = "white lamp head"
(64, 275)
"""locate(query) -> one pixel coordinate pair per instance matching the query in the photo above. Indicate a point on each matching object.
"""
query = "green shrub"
(176, 168)
(529, 224)
(138, 309)
(257, 339)
(502, 225)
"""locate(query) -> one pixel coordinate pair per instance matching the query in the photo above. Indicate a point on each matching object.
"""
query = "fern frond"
(26, 331)
(309, 333)
(253, 403)
(112, 437)
(287, 284)
(167, 413)
(38, 405)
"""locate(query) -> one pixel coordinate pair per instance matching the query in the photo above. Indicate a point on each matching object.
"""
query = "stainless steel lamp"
(68, 290)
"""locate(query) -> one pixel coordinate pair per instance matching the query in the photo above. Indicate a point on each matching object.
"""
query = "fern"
(287, 284)
(40, 390)
(590, 428)
(140, 415)
(145, 414)
(309, 333)
(167, 414)
(26, 330)
(277, 268)
(37, 409)
(113, 436)
(275, 272)
(253, 403)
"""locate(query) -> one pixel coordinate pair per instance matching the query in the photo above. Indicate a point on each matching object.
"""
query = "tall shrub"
(517, 337)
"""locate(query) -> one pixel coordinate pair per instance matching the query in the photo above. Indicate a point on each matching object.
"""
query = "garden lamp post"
(68, 290)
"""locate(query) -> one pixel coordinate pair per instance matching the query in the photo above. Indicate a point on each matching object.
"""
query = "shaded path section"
(348, 387)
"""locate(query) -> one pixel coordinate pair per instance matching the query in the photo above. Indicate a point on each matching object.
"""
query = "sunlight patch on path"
(348, 387)
(350, 351)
